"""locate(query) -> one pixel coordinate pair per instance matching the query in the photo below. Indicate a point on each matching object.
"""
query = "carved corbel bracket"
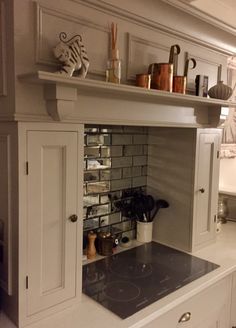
(60, 100)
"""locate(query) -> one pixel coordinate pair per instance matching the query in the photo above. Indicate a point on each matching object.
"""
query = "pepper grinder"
(91, 249)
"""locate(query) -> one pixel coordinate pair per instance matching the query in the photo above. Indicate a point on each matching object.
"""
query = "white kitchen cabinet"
(206, 186)
(53, 179)
(233, 303)
(46, 218)
(183, 168)
(51, 202)
(208, 309)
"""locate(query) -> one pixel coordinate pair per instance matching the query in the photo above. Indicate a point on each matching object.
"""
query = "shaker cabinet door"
(52, 199)
(206, 186)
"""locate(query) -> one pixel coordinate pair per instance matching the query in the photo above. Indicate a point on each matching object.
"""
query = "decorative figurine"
(72, 54)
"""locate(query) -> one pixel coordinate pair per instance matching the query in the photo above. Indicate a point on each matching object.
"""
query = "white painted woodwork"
(219, 13)
(233, 303)
(208, 309)
(161, 108)
(52, 198)
(54, 186)
(5, 213)
(207, 178)
(152, 30)
(189, 221)
(3, 77)
(144, 32)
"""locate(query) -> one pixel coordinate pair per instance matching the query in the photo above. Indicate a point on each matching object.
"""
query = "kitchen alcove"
(176, 164)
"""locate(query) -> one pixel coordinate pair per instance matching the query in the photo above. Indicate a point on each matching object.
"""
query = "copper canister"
(162, 77)
(143, 80)
(179, 84)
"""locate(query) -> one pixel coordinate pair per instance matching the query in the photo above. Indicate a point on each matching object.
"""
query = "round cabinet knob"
(185, 317)
(202, 190)
(73, 218)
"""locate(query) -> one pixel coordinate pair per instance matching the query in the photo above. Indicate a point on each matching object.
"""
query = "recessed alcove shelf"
(91, 101)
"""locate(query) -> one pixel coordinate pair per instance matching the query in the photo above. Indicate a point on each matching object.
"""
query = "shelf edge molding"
(63, 94)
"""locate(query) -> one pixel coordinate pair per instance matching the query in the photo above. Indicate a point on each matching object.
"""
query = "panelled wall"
(141, 41)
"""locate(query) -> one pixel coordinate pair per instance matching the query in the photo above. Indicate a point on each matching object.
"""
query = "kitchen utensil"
(149, 206)
(144, 231)
(180, 82)
(160, 203)
(91, 250)
(186, 67)
(162, 73)
(138, 207)
(105, 243)
(143, 80)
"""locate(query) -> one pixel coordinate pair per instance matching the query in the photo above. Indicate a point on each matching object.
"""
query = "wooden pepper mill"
(91, 250)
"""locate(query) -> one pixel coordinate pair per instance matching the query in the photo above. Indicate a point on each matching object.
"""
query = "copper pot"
(143, 80)
(162, 77)
(162, 73)
(179, 84)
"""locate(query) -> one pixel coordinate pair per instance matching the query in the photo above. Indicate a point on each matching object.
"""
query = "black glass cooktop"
(127, 282)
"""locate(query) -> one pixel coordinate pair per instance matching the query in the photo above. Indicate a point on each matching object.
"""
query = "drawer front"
(197, 310)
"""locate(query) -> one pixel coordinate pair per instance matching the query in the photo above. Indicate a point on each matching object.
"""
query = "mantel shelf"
(120, 93)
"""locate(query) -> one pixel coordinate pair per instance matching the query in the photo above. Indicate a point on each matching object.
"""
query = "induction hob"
(127, 282)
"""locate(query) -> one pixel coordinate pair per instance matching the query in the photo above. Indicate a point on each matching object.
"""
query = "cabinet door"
(52, 199)
(233, 304)
(218, 319)
(206, 186)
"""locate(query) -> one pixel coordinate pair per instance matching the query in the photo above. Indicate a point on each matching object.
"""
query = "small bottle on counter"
(91, 249)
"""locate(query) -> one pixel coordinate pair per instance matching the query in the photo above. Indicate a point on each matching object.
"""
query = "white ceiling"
(222, 10)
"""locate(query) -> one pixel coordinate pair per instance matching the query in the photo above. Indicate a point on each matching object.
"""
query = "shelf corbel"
(60, 100)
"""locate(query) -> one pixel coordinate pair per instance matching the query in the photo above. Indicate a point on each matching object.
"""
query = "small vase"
(113, 72)
(220, 91)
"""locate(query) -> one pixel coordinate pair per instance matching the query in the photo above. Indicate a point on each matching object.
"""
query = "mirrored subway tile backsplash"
(115, 169)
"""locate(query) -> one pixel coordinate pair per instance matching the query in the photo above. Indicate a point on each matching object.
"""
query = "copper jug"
(162, 73)
(180, 81)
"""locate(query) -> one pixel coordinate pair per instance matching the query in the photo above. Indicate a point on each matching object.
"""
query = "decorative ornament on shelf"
(113, 72)
(73, 56)
(220, 90)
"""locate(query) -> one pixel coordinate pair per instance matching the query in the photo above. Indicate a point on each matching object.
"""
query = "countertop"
(89, 314)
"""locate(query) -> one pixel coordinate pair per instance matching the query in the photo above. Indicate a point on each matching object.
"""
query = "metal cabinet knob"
(185, 317)
(202, 190)
(73, 218)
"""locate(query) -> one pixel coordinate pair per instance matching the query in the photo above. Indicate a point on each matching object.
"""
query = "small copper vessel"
(162, 73)
(162, 77)
(179, 84)
(143, 80)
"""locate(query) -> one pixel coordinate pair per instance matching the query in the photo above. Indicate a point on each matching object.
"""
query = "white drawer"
(206, 304)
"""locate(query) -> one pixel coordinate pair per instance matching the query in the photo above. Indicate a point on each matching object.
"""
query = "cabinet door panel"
(52, 198)
(206, 187)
